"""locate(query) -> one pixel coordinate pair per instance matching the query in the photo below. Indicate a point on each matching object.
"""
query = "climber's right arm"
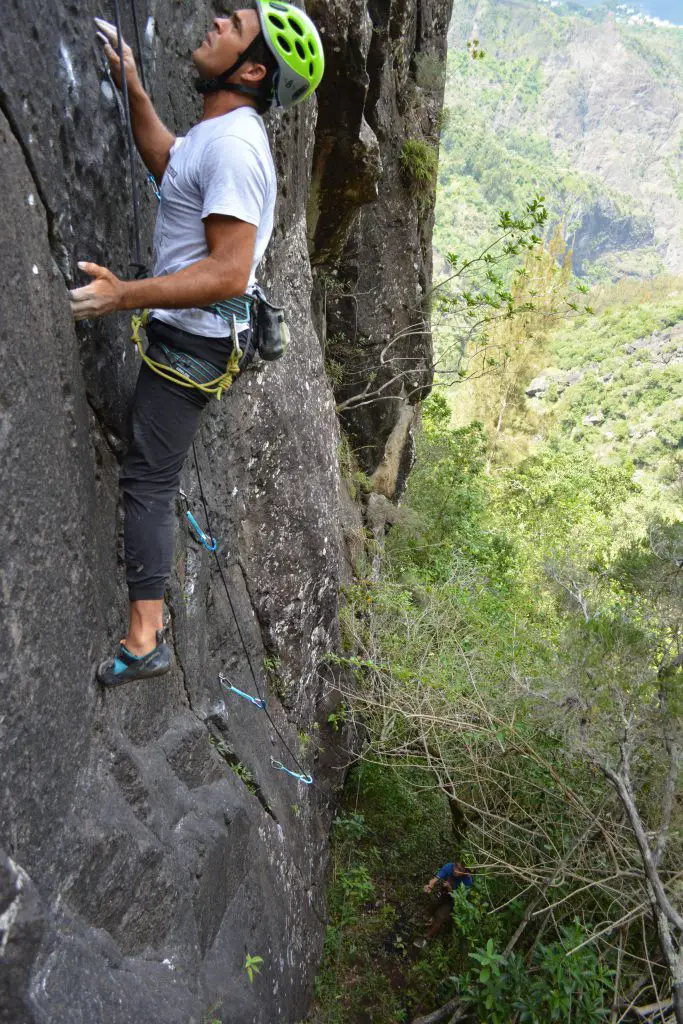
(152, 137)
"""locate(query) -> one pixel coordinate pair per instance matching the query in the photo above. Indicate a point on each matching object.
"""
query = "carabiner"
(227, 685)
(278, 765)
(209, 543)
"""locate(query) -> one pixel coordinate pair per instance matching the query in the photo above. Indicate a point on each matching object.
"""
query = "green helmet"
(293, 40)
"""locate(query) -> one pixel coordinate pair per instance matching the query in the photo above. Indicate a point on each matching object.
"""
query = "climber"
(446, 881)
(215, 219)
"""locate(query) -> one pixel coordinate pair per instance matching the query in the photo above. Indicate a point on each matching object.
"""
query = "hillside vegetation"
(518, 659)
(579, 106)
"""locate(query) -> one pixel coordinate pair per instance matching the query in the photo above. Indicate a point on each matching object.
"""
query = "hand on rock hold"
(103, 295)
(109, 36)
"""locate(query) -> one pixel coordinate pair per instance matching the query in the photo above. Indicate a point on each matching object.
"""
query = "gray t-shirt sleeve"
(233, 180)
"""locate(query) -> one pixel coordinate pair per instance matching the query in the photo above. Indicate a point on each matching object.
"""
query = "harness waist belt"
(198, 370)
(239, 307)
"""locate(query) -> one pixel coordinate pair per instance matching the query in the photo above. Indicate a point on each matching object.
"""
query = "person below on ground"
(218, 189)
(445, 881)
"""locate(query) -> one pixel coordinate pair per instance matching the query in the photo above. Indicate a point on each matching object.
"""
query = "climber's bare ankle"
(145, 619)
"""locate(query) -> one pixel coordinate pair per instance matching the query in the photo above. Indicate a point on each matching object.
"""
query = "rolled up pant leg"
(164, 421)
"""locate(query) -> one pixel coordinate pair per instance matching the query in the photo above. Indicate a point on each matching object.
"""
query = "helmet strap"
(221, 83)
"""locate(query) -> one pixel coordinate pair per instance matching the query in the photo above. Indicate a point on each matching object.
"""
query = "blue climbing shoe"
(127, 667)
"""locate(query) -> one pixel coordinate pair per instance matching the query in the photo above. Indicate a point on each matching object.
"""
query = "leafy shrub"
(419, 161)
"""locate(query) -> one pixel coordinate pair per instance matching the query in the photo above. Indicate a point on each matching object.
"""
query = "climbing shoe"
(127, 667)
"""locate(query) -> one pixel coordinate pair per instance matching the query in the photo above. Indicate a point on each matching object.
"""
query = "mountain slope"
(583, 106)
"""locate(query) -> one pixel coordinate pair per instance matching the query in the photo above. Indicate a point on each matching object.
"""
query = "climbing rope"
(138, 43)
(212, 387)
(259, 702)
(141, 269)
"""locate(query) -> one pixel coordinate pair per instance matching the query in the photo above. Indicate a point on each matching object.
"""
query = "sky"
(670, 10)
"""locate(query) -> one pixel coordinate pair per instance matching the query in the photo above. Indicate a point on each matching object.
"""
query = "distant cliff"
(582, 106)
(149, 845)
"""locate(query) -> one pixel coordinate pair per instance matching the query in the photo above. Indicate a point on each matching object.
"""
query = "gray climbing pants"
(163, 421)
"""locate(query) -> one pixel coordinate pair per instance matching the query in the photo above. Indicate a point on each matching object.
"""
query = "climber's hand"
(109, 36)
(103, 295)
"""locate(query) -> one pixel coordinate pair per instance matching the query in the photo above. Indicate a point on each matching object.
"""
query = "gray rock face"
(373, 262)
(560, 380)
(149, 845)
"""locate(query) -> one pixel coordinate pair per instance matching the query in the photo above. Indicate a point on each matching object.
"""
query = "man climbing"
(446, 881)
(215, 219)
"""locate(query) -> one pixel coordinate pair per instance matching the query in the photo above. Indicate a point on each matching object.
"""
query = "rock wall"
(148, 845)
(373, 269)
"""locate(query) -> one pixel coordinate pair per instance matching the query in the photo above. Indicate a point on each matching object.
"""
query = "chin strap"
(221, 83)
(217, 85)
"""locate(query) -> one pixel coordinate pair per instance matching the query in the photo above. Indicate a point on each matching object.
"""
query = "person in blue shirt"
(446, 880)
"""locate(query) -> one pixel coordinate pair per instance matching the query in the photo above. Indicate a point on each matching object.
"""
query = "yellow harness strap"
(213, 387)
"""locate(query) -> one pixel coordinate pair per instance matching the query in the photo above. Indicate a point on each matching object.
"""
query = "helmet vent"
(278, 7)
(278, 22)
(283, 42)
(300, 50)
(311, 47)
(310, 69)
(293, 23)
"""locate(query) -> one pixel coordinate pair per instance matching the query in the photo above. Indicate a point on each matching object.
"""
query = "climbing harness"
(269, 334)
(277, 340)
(214, 387)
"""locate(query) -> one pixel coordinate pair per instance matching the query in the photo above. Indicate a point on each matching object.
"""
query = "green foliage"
(252, 965)
(419, 161)
(556, 988)
(304, 742)
(357, 887)
(209, 1017)
(236, 767)
(474, 50)
(498, 144)
(522, 615)
(381, 859)
(529, 601)
(627, 372)
(335, 371)
(337, 717)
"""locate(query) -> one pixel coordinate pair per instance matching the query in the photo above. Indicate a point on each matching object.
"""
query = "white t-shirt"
(223, 165)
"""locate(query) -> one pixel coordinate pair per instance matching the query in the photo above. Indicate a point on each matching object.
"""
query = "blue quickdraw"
(256, 701)
(209, 543)
(278, 765)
